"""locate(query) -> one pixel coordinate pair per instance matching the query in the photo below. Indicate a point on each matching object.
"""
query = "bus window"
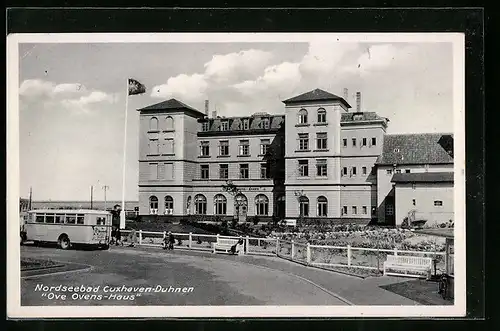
(80, 218)
(40, 218)
(70, 219)
(59, 219)
(101, 221)
(49, 218)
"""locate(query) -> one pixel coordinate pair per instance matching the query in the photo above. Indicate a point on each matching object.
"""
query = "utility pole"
(91, 196)
(29, 206)
(105, 188)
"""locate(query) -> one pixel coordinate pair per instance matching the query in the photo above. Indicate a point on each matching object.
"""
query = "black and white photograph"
(219, 175)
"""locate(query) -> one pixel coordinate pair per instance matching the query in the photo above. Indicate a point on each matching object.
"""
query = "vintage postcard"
(236, 175)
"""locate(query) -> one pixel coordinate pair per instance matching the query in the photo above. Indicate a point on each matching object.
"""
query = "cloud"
(183, 86)
(70, 95)
(35, 88)
(324, 58)
(276, 78)
(238, 66)
(69, 88)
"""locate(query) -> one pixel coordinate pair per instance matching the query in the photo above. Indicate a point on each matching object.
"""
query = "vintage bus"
(68, 227)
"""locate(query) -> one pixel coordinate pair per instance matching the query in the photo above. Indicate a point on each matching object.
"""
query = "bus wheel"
(64, 242)
(105, 247)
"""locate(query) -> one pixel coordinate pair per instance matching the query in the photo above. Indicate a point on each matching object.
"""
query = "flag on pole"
(135, 87)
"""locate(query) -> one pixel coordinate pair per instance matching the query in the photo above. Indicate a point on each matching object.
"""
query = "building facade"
(318, 162)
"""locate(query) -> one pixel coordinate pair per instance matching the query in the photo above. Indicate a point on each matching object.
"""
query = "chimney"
(358, 101)
(346, 95)
(206, 107)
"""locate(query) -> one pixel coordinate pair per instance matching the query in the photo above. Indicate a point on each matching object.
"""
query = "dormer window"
(265, 123)
(358, 117)
(204, 126)
(224, 126)
(245, 124)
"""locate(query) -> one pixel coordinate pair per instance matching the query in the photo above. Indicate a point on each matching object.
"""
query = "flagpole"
(122, 213)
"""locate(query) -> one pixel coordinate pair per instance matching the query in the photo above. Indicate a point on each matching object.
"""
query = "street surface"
(192, 278)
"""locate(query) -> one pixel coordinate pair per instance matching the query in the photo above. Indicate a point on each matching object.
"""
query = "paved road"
(219, 280)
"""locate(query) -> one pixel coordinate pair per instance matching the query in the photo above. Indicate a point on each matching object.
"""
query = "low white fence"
(315, 255)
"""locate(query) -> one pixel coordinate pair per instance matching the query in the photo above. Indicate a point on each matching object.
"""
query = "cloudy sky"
(72, 97)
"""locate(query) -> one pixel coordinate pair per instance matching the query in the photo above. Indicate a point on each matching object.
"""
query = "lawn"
(34, 264)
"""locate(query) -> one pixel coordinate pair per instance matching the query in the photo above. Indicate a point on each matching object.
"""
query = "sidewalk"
(356, 290)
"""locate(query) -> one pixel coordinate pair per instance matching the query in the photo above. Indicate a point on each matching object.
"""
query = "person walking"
(171, 240)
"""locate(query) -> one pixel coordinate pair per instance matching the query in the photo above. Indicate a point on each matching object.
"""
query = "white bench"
(409, 266)
(225, 244)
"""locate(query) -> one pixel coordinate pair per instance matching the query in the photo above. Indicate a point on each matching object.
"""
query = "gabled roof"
(420, 148)
(172, 104)
(316, 95)
(423, 177)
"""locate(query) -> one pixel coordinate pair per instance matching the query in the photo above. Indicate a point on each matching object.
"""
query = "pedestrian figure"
(118, 237)
(171, 240)
(237, 247)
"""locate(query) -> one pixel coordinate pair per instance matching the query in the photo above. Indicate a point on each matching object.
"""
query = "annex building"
(320, 161)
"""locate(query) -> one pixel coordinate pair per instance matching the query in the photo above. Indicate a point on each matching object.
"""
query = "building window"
(344, 210)
(204, 126)
(153, 205)
(244, 171)
(321, 115)
(413, 186)
(414, 202)
(169, 205)
(223, 171)
(224, 126)
(220, 205)
(168, 146)
(261, 205)
(204, 171)
(354, 210)
(363, 142)
(304, 206)
(321, 168)
(153, 124)
(245, 124)
(344, 142)
(224, 148)
(322, 206)
(353, 171)
(205, 148)
(407, 171)
(438, 203)
(303, 141)
(264, 171)
(365, 210)
(264, 146)
(303, 168)
(153, 171)
(302, 116)
(344, 171)
(389, 171)
(353, 142)
(200, 204)
(265, 123)
(153, 147)
(398, 171)
(363, 170)
(321, 141)
(374, 141)
(389, 209)
(169, 123)
(244, 148)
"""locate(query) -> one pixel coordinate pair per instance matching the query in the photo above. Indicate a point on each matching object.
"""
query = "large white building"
(320, 161)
